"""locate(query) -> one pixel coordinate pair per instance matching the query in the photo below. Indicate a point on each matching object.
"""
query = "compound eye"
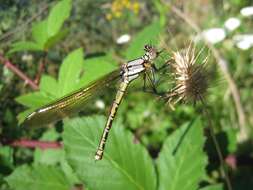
(147, 47)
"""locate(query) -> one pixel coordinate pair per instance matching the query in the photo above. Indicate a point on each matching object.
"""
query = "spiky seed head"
(191, 79)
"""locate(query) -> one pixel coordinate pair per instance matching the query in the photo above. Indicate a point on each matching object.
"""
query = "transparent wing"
(70, 104)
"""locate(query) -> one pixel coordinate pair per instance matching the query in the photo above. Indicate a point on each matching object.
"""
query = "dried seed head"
(191, 79)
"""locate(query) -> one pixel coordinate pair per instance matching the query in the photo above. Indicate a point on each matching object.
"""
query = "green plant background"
(150, 146)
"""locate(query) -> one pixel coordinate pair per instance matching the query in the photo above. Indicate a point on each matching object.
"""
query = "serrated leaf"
(149, 35)
(125, 165)
(25, 46)
(21, 116)
(181, 163)
(38, 177)
(49, 156)
(71, 175)
(6, 158)
(94, 68)
(49, 85)
(70, 71)
(213, 187)
(56, 38)
(59, 13)
(35, 99)
(32, 101)
(39, 33)
(54, 157)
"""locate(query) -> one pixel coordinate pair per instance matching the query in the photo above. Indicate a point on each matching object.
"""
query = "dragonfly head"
(151, 52)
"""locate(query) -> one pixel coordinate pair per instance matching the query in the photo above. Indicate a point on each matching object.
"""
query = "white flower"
(123, 39)
(214, 35)
(27, 57)
(247, 11)
(232, 23)
(100, 104)
(244, 42)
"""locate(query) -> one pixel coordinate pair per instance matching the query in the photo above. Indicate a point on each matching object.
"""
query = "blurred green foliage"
(150, 146)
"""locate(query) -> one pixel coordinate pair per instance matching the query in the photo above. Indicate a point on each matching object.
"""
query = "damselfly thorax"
(74, 102)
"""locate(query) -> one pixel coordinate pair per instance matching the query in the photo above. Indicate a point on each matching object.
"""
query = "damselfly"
(74, 102)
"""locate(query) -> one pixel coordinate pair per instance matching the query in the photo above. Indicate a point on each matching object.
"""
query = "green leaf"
(21, 116)
(49, 156)
(56, 38)
(54, 157)
(94, 68)
(49, 85)
(213, 187)
(6, 158)
(149, 35)
(69, 172)
(125, 165)
(35, 99)
(71, 68)
(39, 33)
(181, 163)
(38, 177)
(59, 13)
(25, 46)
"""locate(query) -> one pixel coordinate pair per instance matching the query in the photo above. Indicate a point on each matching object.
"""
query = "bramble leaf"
(56, 38)
(38, 177)
(70, 71)
(25, 46)
(57, 16)
(181, 162)
(39, 33)
(49, 85)
(125, 165)
(35, 99)
(213, 187)
(94, 68)
(46, 33)
(149, 35)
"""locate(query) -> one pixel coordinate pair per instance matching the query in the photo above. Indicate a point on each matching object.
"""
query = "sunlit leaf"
(39, 33)
(49, 85)
(34, 99)
(57, 16)
(39, 177)
(182, 162)
(125, 165)
(70, 71)
(21, 116)
(149, 35)
(49, 156)
(56, 38)
(6, 158)
(94, 68)
(213, 187)
(25, 46)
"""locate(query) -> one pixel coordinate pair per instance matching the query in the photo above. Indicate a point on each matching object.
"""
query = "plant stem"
(217, 146)
(18, 72)
(36, 144)
(41, 68)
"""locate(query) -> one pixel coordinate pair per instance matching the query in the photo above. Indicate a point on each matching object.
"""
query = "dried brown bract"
(191, 79)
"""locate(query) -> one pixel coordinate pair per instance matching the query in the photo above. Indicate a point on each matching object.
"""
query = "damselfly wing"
(69, 104)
